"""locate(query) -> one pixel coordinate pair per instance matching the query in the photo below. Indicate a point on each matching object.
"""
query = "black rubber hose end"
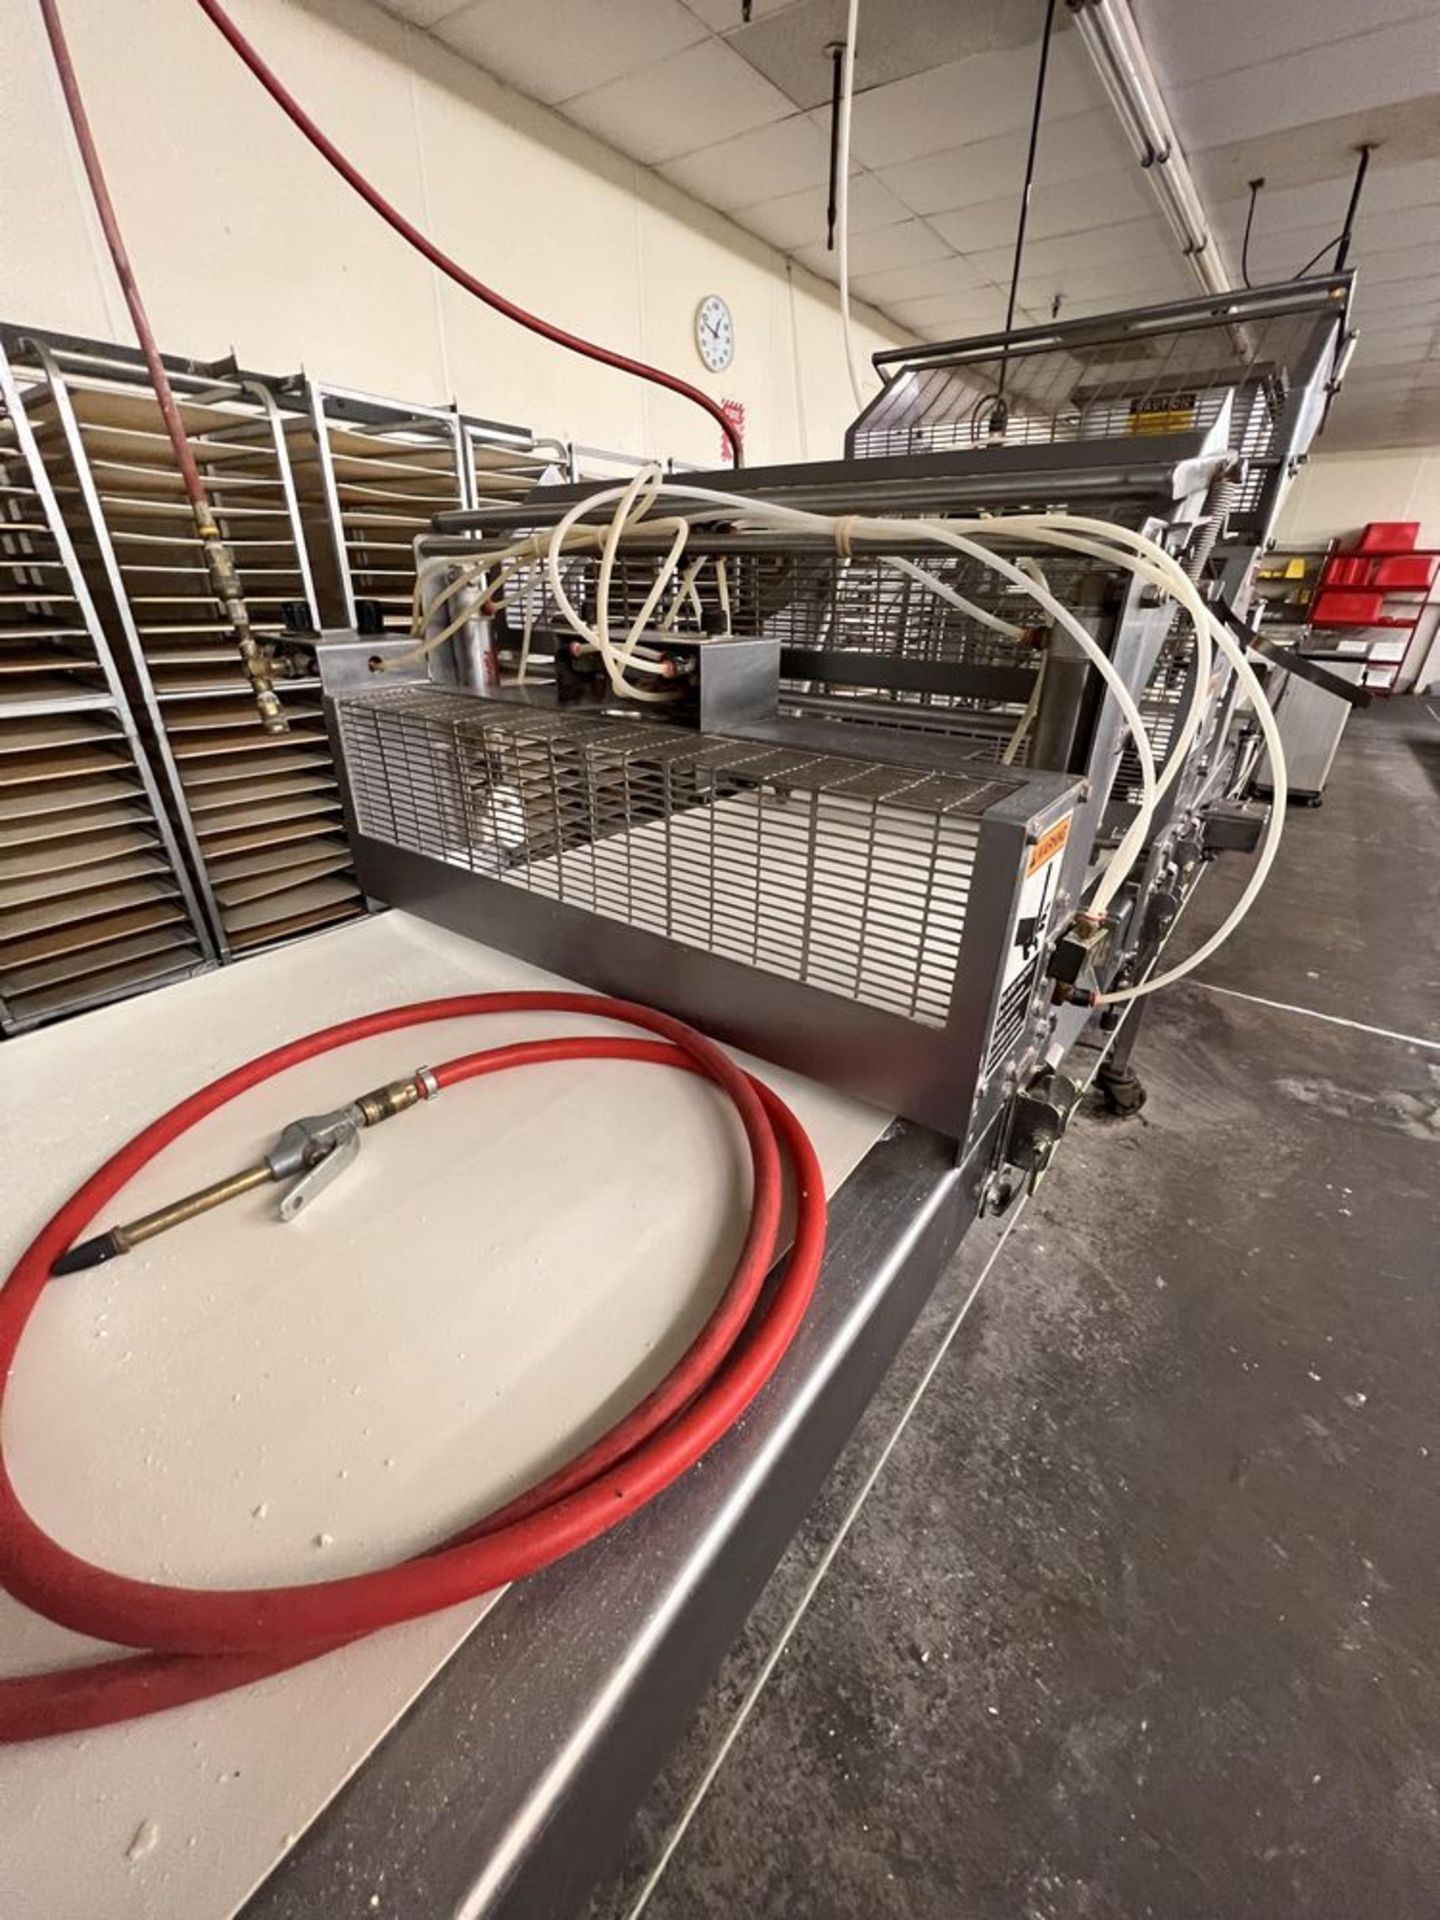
(87, 1253)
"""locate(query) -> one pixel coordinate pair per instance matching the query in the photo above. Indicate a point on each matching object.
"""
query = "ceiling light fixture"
(1113, 42)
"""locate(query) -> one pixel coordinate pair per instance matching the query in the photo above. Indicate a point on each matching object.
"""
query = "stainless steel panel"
(507, 1788)
(846, 914)
(1311, 724)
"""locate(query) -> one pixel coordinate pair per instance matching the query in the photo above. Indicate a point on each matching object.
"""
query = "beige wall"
(1335, 494)
(243, 238)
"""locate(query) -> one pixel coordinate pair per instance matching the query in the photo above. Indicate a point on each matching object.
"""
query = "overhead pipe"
(219, 560)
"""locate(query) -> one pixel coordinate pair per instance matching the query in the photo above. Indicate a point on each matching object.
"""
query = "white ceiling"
(738, 116)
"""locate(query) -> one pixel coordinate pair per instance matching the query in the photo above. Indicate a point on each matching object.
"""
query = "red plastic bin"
(1405, 571)
(1347, 570)
(1385, 536)
(1347, 608)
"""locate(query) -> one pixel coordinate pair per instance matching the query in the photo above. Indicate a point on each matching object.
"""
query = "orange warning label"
(1049, 844)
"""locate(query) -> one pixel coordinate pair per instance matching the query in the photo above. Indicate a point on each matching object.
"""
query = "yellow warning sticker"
(1048, 845)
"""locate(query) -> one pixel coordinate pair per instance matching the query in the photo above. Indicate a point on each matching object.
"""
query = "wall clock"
(714, 333)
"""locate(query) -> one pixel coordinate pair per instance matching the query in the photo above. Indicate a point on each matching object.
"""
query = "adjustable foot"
(1121, 1090)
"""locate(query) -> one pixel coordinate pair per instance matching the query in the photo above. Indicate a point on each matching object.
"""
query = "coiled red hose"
(203, 1641)
(392, 216)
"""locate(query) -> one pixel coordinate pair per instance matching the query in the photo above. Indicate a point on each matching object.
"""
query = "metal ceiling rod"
(997, 418)
(836, 51)
(1113, 42)
(1342, 251)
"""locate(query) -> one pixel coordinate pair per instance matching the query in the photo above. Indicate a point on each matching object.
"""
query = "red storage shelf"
(1341, 607)
(1389, 536)
(1415, 572)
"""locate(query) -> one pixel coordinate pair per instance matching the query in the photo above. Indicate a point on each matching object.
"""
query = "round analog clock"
(714, 333)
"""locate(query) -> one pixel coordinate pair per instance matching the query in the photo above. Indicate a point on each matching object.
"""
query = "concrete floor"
(1139, 1616)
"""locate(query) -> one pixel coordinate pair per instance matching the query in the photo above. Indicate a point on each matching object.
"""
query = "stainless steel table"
(508, 1787)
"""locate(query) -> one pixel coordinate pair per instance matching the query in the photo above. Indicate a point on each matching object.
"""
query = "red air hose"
(203, 1641)
(392, 217)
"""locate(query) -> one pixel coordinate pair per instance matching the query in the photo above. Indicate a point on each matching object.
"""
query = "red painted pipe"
(125, 273)
(391, 215)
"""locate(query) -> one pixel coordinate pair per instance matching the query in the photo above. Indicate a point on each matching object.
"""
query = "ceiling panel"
(986, 94)
(1360, 74)
(904, 244)
(953, 274)
(1197, 42)
(1381, 296)
(552, 49)
(1077, 148)
(1056, 207)
(798, 219)
(894, 41)
(954, 313)
(1071, 252)
(1388, 188)
(694, 99)
(1405, 134)
(1404, 264)
(726, 16)
(423, 13)
(786, 157)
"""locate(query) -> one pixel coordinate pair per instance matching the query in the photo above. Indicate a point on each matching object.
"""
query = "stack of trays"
(259, 813)
(265, 813)
(94, 902)
(370, 476)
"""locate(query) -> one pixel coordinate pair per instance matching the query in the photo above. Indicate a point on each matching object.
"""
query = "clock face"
(714, 333)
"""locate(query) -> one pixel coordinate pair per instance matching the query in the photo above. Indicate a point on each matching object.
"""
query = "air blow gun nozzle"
(309, 1153)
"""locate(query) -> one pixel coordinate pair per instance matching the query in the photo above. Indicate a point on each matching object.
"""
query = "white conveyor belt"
(243, 1402)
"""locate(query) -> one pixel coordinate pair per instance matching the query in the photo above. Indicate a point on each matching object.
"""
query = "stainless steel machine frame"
(415, 758)
(1311, 722)
(1184, 421)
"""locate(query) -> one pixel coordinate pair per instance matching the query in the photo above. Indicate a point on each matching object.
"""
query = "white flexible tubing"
(842, 202)
(1026, 720)
(1143, 557)
(1032, 705)
(944, 591)
(527, 630)
(683, 590)
(1149, 560)
(1274, 828)
(647, 479)
(882, 526)
(722, 590)
(650, 481)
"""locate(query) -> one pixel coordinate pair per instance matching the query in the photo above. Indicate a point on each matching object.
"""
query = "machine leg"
(1119, 1086)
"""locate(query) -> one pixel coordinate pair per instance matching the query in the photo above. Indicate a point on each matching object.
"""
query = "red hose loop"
(391, 215)
(203, 1641)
